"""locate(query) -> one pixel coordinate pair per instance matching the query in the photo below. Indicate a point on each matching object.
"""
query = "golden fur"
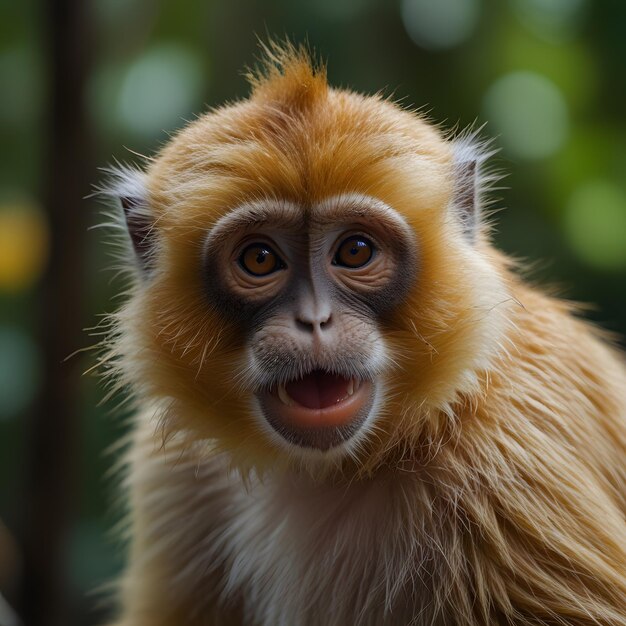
(492, 488)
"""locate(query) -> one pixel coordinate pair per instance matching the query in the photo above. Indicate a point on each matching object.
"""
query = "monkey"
(352, 409)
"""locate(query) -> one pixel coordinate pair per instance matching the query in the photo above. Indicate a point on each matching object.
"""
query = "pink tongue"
(318, 390)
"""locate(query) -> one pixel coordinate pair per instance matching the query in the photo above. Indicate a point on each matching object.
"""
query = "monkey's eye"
(354, 252)
(259, 259)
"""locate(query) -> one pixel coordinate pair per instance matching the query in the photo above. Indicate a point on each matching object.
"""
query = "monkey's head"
(313, 284)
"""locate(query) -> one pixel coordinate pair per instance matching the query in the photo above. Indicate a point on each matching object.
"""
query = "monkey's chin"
(320, 411)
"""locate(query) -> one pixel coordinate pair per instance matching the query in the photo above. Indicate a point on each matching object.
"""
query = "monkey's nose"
(313, 323)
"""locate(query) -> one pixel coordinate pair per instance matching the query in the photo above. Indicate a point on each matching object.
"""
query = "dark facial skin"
(306, 288)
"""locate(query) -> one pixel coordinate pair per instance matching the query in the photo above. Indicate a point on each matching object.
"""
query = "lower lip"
(337, 415)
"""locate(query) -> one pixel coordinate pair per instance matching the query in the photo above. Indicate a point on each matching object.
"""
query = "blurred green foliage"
(547, 77)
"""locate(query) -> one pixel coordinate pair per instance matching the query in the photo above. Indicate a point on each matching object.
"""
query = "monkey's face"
(313, 283)
(307, 285)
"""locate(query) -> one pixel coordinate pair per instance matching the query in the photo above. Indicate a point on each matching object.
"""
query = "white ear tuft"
(471, 182)
(127, 186)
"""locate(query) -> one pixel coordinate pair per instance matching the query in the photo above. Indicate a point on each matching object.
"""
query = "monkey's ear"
(470, 182)
(128, 187)
(140, 224)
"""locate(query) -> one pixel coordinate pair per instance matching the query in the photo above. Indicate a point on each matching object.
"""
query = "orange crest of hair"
(288, 76)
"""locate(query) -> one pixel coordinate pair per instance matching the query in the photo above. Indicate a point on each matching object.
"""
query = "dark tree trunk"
(52, 431)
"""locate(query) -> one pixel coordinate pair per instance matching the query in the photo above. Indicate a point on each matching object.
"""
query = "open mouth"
(320, 410)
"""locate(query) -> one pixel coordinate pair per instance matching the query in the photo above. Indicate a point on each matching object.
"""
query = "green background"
(546, 76)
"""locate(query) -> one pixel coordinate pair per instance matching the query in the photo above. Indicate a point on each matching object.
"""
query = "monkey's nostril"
(305, 326)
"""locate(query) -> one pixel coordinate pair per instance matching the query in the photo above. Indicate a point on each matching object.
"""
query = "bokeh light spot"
(23, 246)
(19, 371)
(572, 67)
(595, 224)
(529, 113)
(440, 24)
(159, 89)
